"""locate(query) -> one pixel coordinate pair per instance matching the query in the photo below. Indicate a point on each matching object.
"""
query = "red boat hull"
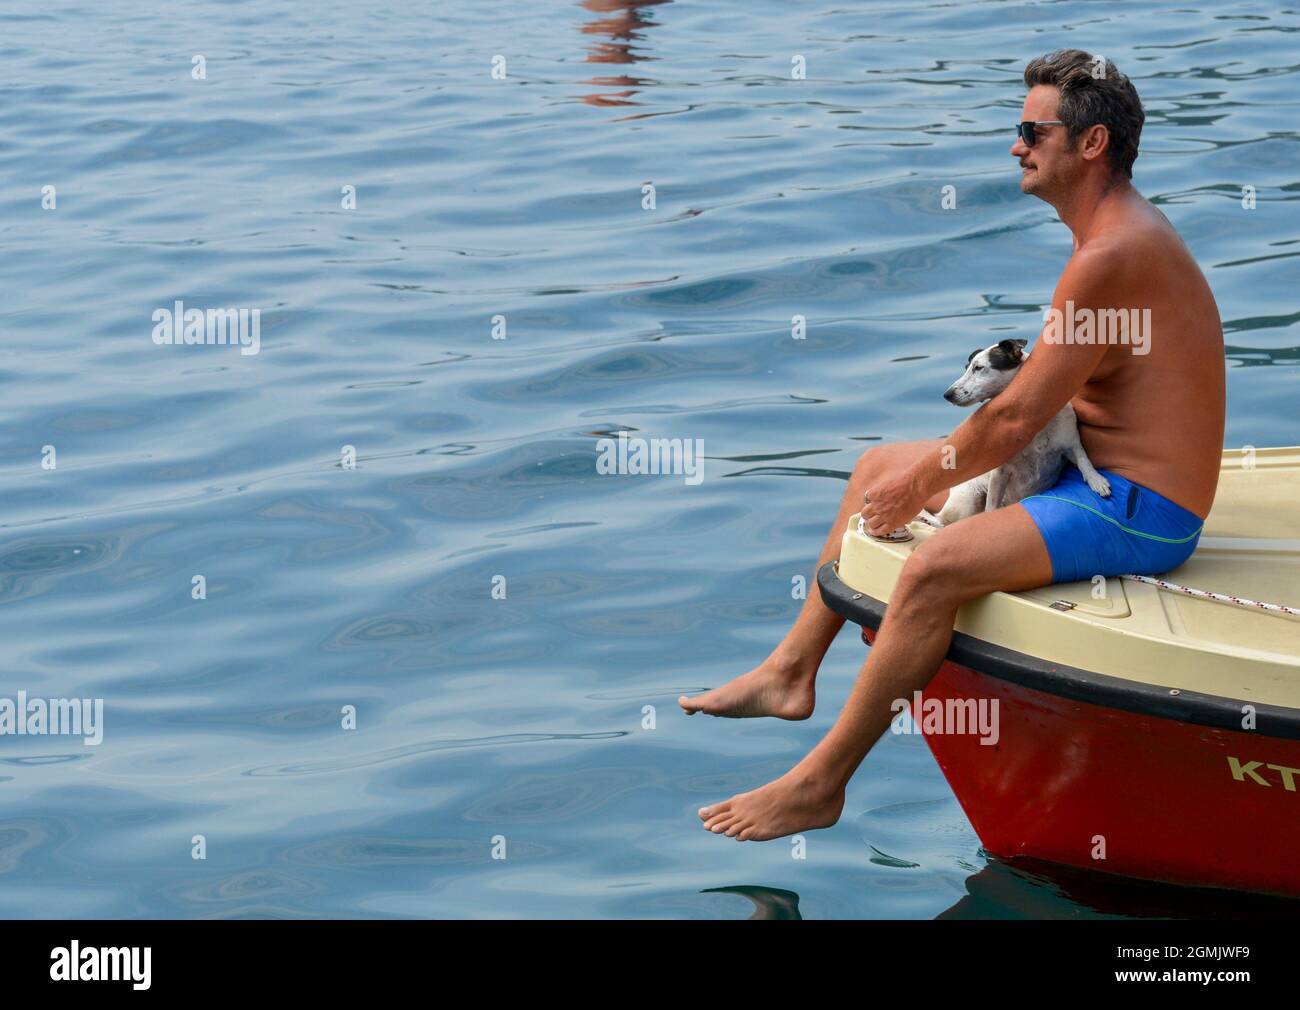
(1118, 792)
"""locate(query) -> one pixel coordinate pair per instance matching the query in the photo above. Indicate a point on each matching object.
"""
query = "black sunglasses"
(1025, 130)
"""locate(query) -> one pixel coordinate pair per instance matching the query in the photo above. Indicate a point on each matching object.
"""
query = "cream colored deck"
(1250, 547)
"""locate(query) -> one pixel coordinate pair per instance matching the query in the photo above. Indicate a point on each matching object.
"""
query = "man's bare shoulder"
(1138, 229)
(1121, 257)
(1142, 232)
(1098, 268)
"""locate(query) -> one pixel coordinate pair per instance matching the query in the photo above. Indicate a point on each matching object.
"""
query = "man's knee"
(930, 573)
(923, 568)
(880, 458)
(868, 463)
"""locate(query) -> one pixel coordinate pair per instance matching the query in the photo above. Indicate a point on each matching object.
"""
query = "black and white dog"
(1036, 467)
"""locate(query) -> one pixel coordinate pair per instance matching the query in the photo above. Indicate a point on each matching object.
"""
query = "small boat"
(1141, 731)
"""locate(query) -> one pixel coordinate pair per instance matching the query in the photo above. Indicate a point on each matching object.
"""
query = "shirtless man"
(1151, 422)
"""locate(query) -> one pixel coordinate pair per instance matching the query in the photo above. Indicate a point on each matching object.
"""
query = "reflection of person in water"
(621, 26)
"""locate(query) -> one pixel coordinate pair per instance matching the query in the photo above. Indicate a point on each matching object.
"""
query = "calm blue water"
(372, 587)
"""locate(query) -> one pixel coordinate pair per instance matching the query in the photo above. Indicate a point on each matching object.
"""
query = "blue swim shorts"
(1134, 531)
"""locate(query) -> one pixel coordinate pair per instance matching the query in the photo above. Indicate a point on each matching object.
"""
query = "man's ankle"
(793, 665)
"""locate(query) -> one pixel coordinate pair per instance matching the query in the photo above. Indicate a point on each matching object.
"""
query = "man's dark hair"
(1093, 91)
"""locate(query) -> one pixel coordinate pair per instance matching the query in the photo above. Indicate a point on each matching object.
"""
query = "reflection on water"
(1036, 890)
(769, 902)
(1030, 889)
(622, 25)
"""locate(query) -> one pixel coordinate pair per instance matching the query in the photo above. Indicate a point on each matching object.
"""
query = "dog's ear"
(972, 355)
(1013, 349)
(1008, 354)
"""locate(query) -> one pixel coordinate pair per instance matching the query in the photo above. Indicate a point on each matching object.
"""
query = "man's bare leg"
(783, 684)
(994, 550)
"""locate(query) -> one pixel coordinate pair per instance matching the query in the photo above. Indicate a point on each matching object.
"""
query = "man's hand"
(892, 500)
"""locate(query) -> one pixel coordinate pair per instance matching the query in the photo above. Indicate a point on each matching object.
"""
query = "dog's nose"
(950, 396)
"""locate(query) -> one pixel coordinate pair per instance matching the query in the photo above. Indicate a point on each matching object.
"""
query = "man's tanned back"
(1156, 417)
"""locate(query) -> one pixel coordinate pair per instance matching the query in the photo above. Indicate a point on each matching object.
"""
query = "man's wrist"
(920, 478)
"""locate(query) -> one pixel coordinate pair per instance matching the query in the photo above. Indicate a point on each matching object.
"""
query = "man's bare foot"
(790, 804)
(772, 688)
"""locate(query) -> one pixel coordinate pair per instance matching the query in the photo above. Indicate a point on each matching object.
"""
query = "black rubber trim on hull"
(1070, 682)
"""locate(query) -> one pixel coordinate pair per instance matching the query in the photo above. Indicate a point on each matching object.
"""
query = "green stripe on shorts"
(1136, 533)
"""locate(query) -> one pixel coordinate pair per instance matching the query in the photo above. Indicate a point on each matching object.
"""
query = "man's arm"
(1002, 427)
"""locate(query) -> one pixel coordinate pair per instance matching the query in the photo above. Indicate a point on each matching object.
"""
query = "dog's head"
(989, 370)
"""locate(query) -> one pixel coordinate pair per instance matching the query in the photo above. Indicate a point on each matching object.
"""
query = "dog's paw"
(1100, 484)
(930, 519)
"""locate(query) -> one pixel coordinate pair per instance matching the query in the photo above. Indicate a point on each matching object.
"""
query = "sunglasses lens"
(1027, 134)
